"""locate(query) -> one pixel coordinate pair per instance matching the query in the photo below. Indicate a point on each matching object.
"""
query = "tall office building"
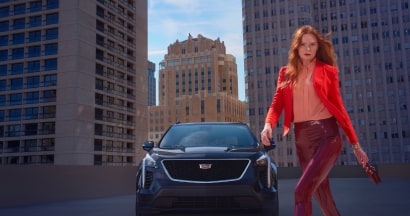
(152, 87)
(372, 43)
(198, 82)
(72, 81)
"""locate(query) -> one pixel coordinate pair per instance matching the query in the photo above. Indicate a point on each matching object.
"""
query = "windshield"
(208, 135)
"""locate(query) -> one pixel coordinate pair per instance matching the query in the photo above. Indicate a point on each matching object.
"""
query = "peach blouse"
(306, 104)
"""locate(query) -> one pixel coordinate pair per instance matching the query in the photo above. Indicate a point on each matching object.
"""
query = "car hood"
(205, 152)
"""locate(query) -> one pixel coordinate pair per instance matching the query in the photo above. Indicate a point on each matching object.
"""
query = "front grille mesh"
(205, 202)
(220, 170)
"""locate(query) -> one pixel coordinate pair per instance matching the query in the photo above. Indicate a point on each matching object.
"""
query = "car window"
(214, 135)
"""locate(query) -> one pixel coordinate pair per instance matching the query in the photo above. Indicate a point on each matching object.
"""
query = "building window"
(50, 49)
(33, 66)
(13, 131)
(52, 4)
(4, 40)
(18, 53)
(3, 70)
(51, 34)
(3, 55)
(50, 80)
(50, 64)
(34, 51)
(19, 23)
(17, 68)
(15, 99)
(48, 128)
(19, 9)
(3, 85)
(1, 117)
(18, 38)
(35, 21)
(202, 107)
(100, 11)
(35, 6)
(32, 97)
(4, 11)
(32, 82)
(99, 84)
(49, 112)
(4, 26)
(30, 129)
(100, 26)
(51, 18)
(49, 95)
(16, 83)
(34, 36)
(15, 114)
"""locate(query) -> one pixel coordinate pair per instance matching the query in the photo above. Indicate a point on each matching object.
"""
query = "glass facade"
(27, 46)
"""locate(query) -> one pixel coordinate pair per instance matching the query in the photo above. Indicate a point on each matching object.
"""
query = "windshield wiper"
(239, 148)
(180, 147)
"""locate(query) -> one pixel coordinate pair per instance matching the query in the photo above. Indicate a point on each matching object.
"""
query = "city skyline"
(173, 20)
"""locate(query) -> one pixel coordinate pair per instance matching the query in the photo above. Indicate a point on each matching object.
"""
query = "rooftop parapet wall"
(26, 185)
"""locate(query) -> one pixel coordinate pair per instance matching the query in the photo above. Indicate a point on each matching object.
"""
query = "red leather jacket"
(326, 85)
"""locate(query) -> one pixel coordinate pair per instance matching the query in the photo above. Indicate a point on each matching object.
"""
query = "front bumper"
(171, 196)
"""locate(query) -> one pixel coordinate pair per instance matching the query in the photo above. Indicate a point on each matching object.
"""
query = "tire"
(137, 213)
(271, 211)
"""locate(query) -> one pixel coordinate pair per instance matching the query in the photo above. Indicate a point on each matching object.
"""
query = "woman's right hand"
(266, 134)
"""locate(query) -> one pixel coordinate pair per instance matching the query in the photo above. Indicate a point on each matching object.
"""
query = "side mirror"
(148, 145)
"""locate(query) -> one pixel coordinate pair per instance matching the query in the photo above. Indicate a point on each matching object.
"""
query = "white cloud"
(157, 52)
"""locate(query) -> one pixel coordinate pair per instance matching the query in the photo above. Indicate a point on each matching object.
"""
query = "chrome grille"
(205, 171)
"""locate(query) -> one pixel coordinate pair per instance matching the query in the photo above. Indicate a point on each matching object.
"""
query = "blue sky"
(172, 20)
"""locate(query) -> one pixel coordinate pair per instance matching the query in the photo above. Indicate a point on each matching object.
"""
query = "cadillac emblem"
(205, 166)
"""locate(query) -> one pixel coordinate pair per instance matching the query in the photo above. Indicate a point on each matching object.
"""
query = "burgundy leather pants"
(318, 145)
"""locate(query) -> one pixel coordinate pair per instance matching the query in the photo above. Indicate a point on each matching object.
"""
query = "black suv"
(207, 167)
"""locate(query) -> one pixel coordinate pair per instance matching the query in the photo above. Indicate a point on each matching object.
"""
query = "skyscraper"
(198, 82)
(152, 99)
(72, 81)
(372, 43)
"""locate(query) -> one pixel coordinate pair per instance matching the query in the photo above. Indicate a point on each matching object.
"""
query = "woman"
(308, 92)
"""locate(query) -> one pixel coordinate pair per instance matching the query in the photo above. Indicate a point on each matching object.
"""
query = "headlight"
(262, 161)
(265, 171)
(149, 161)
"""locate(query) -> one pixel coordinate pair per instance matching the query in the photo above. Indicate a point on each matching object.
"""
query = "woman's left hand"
(361, 156)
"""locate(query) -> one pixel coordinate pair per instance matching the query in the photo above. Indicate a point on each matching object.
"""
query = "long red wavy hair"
(325, 53)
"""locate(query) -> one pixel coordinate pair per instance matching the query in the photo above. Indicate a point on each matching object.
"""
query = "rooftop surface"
(353, 196)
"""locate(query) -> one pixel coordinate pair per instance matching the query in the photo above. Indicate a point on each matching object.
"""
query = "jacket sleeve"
(276, 107)
(335, 99)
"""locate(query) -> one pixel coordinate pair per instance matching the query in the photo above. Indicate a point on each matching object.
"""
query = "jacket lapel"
(319, 80)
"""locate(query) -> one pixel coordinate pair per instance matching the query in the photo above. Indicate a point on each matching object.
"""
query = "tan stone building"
(198, 82)
(73, 80)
